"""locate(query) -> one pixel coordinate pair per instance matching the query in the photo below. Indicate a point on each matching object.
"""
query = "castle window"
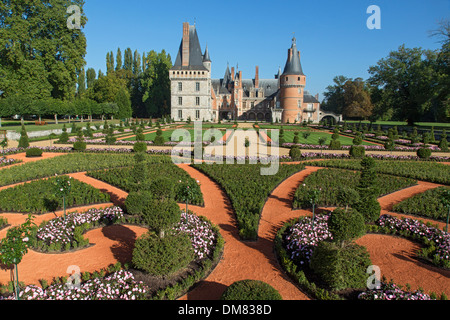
(180, 86)
(197, 86)
(180, 114)
(197, 101)
(180, 101)
(197, 114)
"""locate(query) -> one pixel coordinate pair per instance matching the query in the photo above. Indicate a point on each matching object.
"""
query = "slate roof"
(195, 53)
(293, 65)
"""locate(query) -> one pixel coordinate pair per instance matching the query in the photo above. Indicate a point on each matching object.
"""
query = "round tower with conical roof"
(292, 85)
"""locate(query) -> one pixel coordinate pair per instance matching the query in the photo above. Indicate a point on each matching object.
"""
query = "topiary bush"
(64, 137)
(443, 144)
(295, 153)
(161, 214)
(341, 266)
(251, 290)
(33, 153)
(357, 152)
(346, 225)
(424, 153)
(357, 141)
(140, 147)
(79, 146)
(23, 141)
(162, 256)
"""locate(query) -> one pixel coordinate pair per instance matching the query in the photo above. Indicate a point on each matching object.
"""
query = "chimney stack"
(185, 58)
(232, 73)
(257, 78)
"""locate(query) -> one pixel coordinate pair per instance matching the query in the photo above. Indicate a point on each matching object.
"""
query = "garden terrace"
(70, 163)
(38, 197)
(421, 170)
(247, 189)
(332, 181)
(427, 204)
(122, 178)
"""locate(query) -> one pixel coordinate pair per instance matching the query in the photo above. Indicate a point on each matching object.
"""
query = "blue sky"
(332, 36)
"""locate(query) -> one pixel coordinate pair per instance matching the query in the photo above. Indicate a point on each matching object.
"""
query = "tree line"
(410, 84)
(42, 68)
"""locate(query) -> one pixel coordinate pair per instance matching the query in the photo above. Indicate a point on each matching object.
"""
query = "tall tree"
(357, 103)
(81, 90)
(119, 64)
(39, 55)
(128, 60)
(90, 77)
(155, 84)
(407, 80)
(123, 102)
(334, 96)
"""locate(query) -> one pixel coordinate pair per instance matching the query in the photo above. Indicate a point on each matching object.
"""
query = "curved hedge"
(251, 290)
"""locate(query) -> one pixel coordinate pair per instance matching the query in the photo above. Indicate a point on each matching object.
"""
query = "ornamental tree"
(14, 246)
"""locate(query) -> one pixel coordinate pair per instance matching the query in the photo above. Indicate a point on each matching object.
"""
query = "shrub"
(159, 139)
(162, 256)
(346, 225)
(341, 267)
(140, 147)
(424, 153)
(64, 137)
(23, 141)
(370, 209)
(443, 144)
(160, 215)
(357, 151)
(295, 153)
(33, 152)
(79, 146)
(357, 141)
(251, 290)
(136, 202)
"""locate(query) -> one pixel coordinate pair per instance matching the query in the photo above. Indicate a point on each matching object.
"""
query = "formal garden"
(111, 200)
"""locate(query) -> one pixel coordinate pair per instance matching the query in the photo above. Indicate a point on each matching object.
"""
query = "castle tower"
(292, 85)
(191, 79)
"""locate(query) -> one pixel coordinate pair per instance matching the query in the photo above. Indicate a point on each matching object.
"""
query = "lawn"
(168, 135)
(315, 136)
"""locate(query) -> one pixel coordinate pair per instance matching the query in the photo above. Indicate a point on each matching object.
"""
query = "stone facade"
(198, 97)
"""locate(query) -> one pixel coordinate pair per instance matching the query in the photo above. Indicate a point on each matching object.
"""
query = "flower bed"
(391, 291)
(119, 285)
(302, 237)
(7, 162)
(65, 234)
(200, 233)
(296, 241)
(436, 240)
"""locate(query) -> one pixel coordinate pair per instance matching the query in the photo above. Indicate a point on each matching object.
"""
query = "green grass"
(30, 126)
(401, 123)
(167, 135)
(315, 136)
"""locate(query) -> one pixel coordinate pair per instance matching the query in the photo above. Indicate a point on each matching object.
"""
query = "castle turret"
(292, 84)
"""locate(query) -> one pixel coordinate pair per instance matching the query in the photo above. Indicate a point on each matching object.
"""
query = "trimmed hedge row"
(161, 178)
(334, 182)
(247, 190)
(427, 204)
(69, 163)
(420, 170)
(38, 197)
